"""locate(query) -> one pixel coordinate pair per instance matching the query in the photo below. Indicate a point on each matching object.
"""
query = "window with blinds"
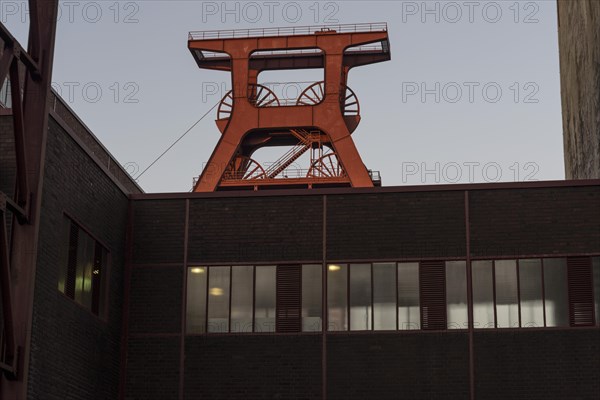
(254, 299)
(393, 296)
(581, 295)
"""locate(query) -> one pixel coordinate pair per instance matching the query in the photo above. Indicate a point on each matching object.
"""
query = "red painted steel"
(251, 116)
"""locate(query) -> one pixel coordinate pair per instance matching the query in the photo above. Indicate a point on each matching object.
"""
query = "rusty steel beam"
(30, 120)
(20, 53)
(8, 358)
(5, 62)
(19, 132)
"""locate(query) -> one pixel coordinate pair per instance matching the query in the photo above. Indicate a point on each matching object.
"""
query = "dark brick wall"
(535, 221)
(549, 365)
(257, 229)
(253, 367)
(91, 142)
(155, 300)
(74, 354)
(398, 366)
(153, 368)
(158, 231)
(395, 225)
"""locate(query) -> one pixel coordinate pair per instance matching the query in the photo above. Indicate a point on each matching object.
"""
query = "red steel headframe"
(321, 120)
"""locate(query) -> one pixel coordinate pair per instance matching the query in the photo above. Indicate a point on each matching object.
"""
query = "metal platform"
(287, 31)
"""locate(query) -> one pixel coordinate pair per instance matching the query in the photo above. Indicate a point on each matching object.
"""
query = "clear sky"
(472, 93)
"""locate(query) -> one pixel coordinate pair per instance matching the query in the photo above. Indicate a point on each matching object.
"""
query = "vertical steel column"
(184, 300)
(325, 317)
(469, 299)
(126, 298)
(31, 126)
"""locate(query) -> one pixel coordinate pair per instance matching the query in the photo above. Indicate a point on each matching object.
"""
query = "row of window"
(393, 296)
(244, 298)
(521, 293)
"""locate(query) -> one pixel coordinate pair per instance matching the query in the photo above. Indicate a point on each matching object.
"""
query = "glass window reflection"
(337, 297)
(409, 315)
(456, 295)
(556, 292)
(218, 299)
(483, 294)
(312, 297)
(264, 313)
(360, 297)
(242, 277)
(384, 296)
(196, 300)
(530, 287)
(507, 297)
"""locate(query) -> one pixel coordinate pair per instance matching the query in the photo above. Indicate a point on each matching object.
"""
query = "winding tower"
(319, 121)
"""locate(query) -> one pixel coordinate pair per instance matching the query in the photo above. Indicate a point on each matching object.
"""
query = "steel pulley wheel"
(243, 167)
(326, 167)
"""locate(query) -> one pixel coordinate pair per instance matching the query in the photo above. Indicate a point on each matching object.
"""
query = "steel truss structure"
(321, 120)
(29, 73)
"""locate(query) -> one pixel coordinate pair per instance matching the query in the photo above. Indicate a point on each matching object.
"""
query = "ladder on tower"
(305, 141)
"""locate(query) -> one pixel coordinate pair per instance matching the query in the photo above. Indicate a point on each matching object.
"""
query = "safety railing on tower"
(287, 31)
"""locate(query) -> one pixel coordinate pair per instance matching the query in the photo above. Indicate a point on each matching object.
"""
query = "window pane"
(99, 275)
(311, 297)
(241, 298)
(483, 294)
(360, 297)
(83, 268)
(384, 296)
(507, 309)
(408, 296)
(264, 314)
(337, 297)
(218, 299)
(83, 275)
(555, 289)
(530, 283)
(456, 294)
(64, 256)
(596, 267)
(196, 300)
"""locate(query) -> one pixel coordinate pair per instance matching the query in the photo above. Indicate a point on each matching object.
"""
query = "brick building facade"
(141, 347)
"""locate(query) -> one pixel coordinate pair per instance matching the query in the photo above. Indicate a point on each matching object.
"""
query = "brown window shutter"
(289, 301)
(432, 284)
(581, 297)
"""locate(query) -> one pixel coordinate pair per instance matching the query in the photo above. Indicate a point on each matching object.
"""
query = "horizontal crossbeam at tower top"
(297, 53)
